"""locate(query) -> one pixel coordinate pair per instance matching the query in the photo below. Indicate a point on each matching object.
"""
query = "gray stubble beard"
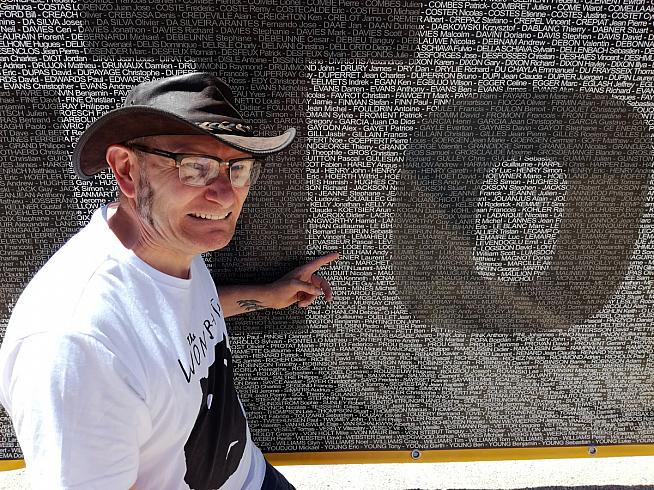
(144, 197)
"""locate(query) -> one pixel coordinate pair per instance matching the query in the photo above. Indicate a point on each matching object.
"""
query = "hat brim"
(131, 122)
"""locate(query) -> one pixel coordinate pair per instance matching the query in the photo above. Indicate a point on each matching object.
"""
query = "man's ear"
(123, 165)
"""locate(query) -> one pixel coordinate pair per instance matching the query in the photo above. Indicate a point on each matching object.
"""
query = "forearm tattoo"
(251, 304)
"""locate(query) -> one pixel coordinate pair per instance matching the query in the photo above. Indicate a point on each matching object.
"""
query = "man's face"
(179, 219)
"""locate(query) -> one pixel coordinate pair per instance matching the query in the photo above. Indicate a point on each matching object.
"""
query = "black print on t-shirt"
(217, 441)
(198, 343)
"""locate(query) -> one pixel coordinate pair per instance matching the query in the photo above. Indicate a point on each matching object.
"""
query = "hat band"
(225, 126)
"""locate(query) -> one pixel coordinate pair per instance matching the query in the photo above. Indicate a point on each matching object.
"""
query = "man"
(115, 366)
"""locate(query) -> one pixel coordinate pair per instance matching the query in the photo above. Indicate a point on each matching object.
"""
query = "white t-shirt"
(115, 373)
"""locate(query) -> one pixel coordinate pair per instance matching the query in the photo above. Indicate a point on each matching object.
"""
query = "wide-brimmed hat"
(193, 104)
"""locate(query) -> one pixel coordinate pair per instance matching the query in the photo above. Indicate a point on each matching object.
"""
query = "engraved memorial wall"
(484, 168)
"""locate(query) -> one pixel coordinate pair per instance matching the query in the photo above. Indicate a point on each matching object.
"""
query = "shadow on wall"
(519, 210)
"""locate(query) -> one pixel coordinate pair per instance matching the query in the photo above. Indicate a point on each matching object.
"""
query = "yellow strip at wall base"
(12, 464)
(459, 455)
(437, 455)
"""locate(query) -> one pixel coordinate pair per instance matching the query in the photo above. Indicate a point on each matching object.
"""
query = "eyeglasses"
(200, 170)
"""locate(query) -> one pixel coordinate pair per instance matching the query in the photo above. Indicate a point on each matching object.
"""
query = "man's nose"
(221, 191)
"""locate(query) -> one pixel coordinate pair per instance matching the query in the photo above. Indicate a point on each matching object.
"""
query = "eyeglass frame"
(178, 157)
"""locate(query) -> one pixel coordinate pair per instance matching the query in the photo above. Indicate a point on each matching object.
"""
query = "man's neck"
(124, 225)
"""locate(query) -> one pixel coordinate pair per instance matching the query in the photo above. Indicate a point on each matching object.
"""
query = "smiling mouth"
(210, 217)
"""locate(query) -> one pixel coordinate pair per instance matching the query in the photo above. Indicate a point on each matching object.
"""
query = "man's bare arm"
(302, 286)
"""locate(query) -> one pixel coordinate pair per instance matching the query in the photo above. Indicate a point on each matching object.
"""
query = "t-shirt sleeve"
(78, 413)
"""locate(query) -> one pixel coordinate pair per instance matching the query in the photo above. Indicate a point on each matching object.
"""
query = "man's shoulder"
(72, 302)
(80, 269)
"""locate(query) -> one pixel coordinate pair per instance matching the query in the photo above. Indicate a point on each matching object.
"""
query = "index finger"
(316, 264)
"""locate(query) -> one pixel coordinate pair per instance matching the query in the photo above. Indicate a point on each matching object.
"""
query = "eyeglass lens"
(200, 171)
